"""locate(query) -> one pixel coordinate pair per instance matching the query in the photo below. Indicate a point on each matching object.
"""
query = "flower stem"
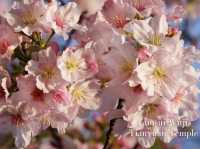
(22, 33)
(49, 38)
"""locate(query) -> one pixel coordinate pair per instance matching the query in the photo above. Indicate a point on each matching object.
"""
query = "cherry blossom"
(21, 121)
(91, 7)
(26, 16)
(85, 94)
(149, 33)
(146, 119)
(75, 65)
(63, 19)
(8, 39)
(121, 62)
(5, 6)
(45, 70)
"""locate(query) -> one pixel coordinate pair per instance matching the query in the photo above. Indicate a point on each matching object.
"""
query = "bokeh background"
(191, 34)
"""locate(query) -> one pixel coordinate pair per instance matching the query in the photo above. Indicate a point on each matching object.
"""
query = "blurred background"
(191, 34)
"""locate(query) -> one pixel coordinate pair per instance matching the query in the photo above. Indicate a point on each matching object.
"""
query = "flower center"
(119, 21)
(139, 17)
(72, 64)
(159, 73)
(79, 94)
(48, 73)
(28, 18)
(93, 66)
(155, 40)
(127, 67)
(59, 96)
(150, 110)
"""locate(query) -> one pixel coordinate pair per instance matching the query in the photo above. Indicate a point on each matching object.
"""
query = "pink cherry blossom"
(143, 54)
(156, 75)
(85, 94)
(146, 118)
(118, 13)
(5, 6)
(121, 62)
(77, 64)
(187, 109)
(91, 7)
(28, 92)
(62, 19)
(154, 7)
(62, 109)
(44, 69)
(8, 39)
(26, 17)
(149, 33)
(22, 122)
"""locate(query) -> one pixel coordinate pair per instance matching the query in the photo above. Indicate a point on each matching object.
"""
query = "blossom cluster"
(129, 49)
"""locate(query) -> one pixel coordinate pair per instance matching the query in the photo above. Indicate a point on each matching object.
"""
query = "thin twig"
(112, 124)
(50, 36)
(67, 42)
(24, 34)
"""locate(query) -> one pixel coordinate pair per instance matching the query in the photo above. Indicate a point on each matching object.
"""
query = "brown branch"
(57, 140)
(112, 124)
(49, 38)
(137, 145)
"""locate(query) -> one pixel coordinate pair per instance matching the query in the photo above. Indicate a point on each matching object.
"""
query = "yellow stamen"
(150, 110)
(127, 67)
(159, 73)
(78, 94)
(46, 120)
(28, 18)
(155, 40)
(48, 73)
(72, 64)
